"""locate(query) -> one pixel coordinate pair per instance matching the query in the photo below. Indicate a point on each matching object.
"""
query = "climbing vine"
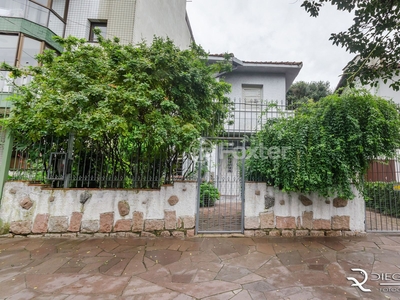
(328, 145)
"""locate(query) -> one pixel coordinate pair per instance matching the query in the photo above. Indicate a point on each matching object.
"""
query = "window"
(252, 95)
(100, 25)
(59, 6)
(8, 48)
(37, 14)
(30, 49)
(10, 8)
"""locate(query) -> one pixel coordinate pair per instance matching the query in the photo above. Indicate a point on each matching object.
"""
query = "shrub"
(327, 146)
(208, 194)
(382, 197)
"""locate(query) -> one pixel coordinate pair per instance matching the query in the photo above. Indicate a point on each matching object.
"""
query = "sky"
(273, 30)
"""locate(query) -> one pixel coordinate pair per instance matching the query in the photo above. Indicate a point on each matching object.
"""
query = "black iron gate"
(220, 205)
(382, 196)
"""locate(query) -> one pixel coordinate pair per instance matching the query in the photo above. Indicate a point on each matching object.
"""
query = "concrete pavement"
(199, 268)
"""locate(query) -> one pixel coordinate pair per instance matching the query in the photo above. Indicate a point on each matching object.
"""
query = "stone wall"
(170, 211)
(272, 212)
(37, 209)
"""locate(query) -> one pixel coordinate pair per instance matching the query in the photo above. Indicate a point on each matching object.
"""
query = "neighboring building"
(27, 26)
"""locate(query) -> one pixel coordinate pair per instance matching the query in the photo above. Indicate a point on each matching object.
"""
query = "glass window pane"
(56, 25)
(37, 14)
(103, 31)
(30, 49)
(59, 7)
(12, 8)
(43, 2)
(5, 82)
(8, 48)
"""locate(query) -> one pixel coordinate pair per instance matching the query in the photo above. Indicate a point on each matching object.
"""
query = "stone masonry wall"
(36, 209)
(272, 212)
(28, 209)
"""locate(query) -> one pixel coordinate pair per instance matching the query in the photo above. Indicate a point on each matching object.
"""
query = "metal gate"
(220, 200)
(382, 197)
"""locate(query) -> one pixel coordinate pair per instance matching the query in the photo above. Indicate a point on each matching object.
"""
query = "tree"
(301, 92)
(154, 101)
(374, 38)
(327, 145)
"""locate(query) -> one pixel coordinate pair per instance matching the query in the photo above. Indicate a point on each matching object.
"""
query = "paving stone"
(252, 222)
(90, 226)
(190, 233)
(123, 208)
(341, 222)
(317, 233)
(137, 221)
(75, 221)
(106, 222)
(26, 203)
(173, 200)
(274, 233)
(21, 227)
(334, 233)
(40, 225)
(307, 218)
(178, 234)
(287, 233)
(302, 232)
(152, 225)
(147, 234)
(170, 219)
(321, 224)
(267, 220)
(285, 222)
(123, 225)
(58, 224)
(339, 202)
(188, 222)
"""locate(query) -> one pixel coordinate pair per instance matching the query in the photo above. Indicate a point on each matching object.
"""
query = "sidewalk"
(197, 268)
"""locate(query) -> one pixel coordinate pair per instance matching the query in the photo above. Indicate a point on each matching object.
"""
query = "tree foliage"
(374, 38)
(154, 100)
(301, 92)
(328, 144)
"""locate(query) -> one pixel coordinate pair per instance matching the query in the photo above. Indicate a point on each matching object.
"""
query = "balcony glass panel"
(12, 8)
(59, 7)
(8, 48)
(30, 49)
(56, 25)
(37, 14)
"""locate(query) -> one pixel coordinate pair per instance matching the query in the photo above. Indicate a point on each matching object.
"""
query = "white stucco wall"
(131, 20)
(247, 117)
(162, 18)
(292, 206)
(151, 202)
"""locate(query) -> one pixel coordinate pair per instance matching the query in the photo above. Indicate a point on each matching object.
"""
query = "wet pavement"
(199, 268)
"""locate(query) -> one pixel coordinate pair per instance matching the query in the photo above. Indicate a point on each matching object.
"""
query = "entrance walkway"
(197, 268)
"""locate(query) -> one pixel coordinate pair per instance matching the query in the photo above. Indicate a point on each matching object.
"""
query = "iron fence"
(79, 162)
(382, 196)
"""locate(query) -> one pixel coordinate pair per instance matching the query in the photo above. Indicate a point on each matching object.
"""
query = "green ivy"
(325, 147)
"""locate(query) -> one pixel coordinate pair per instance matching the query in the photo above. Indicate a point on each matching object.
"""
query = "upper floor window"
(252, 95)
(8, 48)
(102, 25)
(48, 13)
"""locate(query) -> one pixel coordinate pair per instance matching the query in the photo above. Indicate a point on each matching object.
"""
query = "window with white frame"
(252, 95)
